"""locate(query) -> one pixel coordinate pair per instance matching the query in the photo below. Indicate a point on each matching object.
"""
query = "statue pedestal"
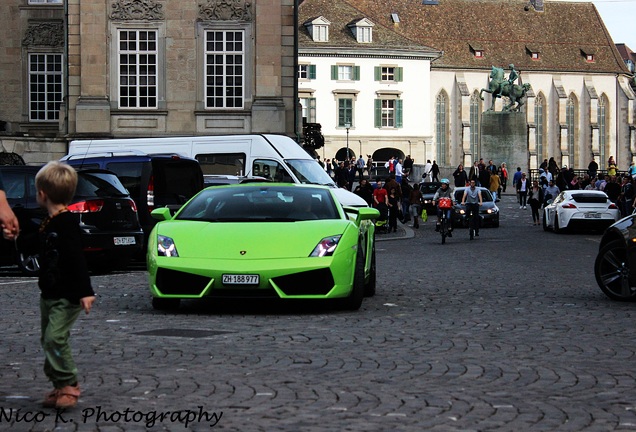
(504, 138)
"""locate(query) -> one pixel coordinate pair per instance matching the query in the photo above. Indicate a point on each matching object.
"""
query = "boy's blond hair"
(58, 181)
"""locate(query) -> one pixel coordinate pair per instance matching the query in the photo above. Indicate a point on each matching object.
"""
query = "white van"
(275, 157)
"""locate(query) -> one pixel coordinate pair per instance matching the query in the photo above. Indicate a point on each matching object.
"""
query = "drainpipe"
(295, 72)
(66, 73)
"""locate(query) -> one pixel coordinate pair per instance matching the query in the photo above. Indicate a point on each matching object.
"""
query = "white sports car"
(580, 208)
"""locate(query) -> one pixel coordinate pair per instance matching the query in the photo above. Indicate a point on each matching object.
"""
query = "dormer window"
(477, 50)
(534, 52)
(318, 29)
(362, 30)
(589, 54)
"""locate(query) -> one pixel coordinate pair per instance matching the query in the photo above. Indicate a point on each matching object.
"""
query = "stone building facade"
(131, 68)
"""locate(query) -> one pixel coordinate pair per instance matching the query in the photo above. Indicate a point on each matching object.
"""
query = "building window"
(540, 125)
(306, 71)
(45, 87)
(475, 109)
(137, 69)
(388, 73)
(308, 109)
(589, 58)
(321, 33)
(363, 34)
(534, 56)
(388, 113)
(479, 54)
(602, 131)
(345, 112)
(224, 68)
(441, 130)
(345, 72)
(570, 120)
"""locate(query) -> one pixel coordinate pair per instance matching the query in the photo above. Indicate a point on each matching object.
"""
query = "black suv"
(111, 233)
(153, 180)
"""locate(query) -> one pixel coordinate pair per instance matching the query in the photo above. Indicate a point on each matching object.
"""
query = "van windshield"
(309, 171)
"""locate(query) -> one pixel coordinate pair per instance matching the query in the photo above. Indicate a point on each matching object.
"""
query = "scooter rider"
(444, 191)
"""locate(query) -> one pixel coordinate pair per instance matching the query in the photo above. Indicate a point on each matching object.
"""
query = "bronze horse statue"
(499, 87)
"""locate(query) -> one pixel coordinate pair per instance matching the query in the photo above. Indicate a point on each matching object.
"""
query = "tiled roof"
(625, 52)
(341, 15)
(505, 30)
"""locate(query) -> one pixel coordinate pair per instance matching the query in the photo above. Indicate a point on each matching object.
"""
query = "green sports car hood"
(258, 240)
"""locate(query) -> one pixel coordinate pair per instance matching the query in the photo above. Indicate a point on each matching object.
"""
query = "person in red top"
(380, 195)
(503, 175)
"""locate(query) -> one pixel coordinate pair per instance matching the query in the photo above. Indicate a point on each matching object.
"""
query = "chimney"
(537, 4)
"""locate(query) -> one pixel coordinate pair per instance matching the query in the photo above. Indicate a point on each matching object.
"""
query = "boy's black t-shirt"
(63, 269)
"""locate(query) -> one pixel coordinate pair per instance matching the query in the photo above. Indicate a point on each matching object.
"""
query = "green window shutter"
(398, 113)
(398, 74)
(378, 113)
(356, 73)
(334, 72)
(377, 73)
(312, 71)
(311, 109)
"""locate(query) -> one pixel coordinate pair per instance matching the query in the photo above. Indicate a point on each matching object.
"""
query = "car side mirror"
(161, 214)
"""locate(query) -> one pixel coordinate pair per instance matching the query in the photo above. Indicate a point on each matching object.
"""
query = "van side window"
(271, 170)
(222, 163)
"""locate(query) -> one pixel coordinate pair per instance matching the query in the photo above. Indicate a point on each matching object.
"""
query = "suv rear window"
(96, 184)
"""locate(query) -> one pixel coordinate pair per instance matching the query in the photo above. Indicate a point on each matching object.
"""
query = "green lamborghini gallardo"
(263, 240)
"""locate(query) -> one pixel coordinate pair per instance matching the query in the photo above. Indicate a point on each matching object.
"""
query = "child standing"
(64, 281)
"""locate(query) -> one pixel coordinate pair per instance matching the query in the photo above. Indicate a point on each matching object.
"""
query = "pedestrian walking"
(522, 189)
(64, 281)
(535, 199)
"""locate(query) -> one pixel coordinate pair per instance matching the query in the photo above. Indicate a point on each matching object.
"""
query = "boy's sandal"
(50, 399)
(67, 397)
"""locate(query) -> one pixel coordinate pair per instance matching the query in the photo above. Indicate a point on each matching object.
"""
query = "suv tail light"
(133, 206)
(150, 195)
(88, 206)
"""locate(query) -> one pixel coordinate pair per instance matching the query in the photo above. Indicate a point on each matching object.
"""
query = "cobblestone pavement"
(505, 333)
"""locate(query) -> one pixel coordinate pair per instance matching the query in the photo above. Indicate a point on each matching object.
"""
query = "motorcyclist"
(444, 191)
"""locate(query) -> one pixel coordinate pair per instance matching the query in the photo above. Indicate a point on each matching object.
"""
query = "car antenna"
(86, 153)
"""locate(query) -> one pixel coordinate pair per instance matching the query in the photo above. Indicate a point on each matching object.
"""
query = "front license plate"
(593, 215)
(124, 241)
(240, 279)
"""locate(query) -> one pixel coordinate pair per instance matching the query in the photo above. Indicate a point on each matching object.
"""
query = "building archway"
(342, 154)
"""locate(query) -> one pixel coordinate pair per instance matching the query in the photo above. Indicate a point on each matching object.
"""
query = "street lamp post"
(347, 127)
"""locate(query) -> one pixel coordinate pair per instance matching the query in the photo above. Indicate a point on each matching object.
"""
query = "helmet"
(444, 181)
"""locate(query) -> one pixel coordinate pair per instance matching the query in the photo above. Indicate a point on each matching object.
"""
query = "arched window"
(475, 110)
(603, 141)
(570, 120)
(539, 130)
(441, 128)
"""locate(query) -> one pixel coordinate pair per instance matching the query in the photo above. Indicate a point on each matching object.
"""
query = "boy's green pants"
(58, 316)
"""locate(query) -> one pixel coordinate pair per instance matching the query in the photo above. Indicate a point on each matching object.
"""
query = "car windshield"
(260, 204)
(96, 184)
(309, 171)
(429, 188)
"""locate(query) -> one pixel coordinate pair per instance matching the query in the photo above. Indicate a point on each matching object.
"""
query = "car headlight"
(461, 211)
(166, 247)
(326, 246)
(490, 211)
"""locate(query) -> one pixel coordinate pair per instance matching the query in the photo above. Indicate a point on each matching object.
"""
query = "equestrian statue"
(500, 86)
